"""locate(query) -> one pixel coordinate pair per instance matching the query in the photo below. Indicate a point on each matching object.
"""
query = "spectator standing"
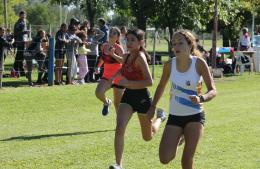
(71, 52)
(82, 57)
(37, 52)
(94, 35)
(103, 27)
(85, 26)
(123, 31)
(4, 44)
(21, 37)
(61, 38)
(244, 42)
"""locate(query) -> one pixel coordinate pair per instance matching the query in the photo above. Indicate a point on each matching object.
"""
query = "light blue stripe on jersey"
(186, 91)
(186, 102)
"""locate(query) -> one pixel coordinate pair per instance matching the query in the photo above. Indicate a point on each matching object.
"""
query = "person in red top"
(112, 63)
(135, 77)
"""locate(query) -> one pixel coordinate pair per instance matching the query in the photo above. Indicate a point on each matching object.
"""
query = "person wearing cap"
(245, 42)
(20, 37)
(75, 22)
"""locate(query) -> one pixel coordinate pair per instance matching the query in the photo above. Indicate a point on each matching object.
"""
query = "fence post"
(51, 61)
(153, 64)
(30, 33)
(1, 67)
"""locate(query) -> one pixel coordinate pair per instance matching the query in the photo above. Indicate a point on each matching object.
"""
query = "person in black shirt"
(20, 36)
(4, 44)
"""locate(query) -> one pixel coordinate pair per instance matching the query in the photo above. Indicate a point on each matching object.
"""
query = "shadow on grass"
(28, 138)
(15, 83)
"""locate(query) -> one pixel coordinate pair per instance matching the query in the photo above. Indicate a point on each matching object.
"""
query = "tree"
(13, 8)
(92, 8)
(142, 10)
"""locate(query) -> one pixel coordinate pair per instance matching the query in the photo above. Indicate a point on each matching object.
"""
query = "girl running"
(186, 112)
(136, 77)
(112, 63)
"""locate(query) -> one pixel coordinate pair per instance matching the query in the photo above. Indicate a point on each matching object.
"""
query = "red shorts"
(110, 70)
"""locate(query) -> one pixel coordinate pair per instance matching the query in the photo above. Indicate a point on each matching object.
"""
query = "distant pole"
(60, 13)
(30, 33)
(253, 26)
(1, 68)
(50, 29)
(154, 41)
(51, 61)
(214, 36)
(5, 13)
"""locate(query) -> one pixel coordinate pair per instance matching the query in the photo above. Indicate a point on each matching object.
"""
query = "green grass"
(61, 127)
(162, 46)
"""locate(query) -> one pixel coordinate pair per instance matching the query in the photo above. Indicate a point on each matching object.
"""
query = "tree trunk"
(225, 37)
(168, 39)
(91, 10)
(139, 15)
(141, 22)
(214, 37)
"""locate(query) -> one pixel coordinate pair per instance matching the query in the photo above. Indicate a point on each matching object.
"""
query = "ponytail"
(148, 57)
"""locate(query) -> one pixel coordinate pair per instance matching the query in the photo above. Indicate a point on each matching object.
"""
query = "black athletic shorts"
(182, 121)
(139, 99)
(59, 54)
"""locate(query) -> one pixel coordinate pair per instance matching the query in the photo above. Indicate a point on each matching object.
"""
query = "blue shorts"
(182, 121)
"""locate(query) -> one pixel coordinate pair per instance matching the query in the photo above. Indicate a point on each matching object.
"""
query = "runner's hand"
(150, 112)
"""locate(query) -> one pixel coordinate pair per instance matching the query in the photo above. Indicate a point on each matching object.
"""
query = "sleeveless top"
(130, 71)
(184, 84)
(108, 59)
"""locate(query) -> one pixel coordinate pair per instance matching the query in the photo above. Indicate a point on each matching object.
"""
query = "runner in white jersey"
(186, 117)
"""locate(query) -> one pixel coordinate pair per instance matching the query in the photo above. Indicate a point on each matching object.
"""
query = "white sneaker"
(115, 166)
(161, 114)
(81, 82)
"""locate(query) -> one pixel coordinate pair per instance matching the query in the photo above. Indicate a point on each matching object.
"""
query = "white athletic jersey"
(182, 86)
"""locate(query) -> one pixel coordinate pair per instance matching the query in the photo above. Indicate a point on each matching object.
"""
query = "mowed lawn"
(62, 127)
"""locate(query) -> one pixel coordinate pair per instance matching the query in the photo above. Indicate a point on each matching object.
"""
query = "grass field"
(61, 127)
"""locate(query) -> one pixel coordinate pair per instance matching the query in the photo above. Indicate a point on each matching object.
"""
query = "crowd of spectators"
(77, 50)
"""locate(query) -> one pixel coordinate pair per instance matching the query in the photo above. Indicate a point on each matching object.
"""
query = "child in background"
(82, 57)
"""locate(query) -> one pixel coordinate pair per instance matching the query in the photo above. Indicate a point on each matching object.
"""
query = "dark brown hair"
(139, 34)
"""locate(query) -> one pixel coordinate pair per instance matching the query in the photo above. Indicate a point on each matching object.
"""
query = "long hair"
(139, 34)
(117, 32)
(191, 40)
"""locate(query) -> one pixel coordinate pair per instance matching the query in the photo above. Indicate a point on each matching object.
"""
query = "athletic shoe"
(105, 109)
(115, 166)
(161, 114)
(81, 82)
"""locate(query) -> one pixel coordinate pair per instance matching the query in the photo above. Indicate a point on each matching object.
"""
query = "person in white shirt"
(245, 42)
(186, 112)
